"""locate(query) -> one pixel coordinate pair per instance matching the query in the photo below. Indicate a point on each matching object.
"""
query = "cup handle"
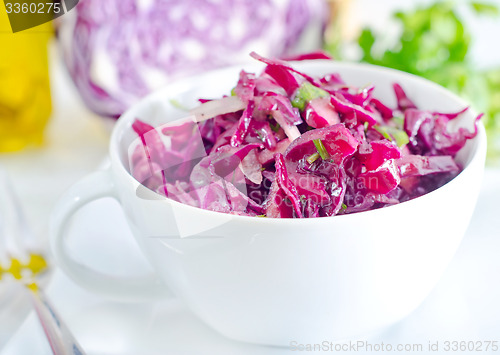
(93, 187)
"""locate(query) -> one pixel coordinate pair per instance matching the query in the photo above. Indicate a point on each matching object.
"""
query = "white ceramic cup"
(274, 281)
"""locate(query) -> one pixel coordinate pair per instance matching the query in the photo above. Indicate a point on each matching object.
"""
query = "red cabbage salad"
(284, 144)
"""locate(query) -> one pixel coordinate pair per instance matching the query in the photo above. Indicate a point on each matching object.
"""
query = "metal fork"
(22, 260)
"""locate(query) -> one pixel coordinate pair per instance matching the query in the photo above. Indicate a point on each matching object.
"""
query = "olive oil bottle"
(25, 102)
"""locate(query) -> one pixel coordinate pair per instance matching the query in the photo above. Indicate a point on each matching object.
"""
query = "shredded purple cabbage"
(301, 151)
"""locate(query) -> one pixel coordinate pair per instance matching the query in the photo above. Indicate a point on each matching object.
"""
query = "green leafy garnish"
(321, 149)
(482, 8)
(434, 44)
(305, 93)
(432, 38)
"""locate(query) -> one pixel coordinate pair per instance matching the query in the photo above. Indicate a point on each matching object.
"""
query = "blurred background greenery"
(434, 42)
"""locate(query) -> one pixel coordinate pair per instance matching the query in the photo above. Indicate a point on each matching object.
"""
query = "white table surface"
(76, 143)
(464, 306)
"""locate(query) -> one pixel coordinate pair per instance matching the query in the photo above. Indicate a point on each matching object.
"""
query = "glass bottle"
(25, 101)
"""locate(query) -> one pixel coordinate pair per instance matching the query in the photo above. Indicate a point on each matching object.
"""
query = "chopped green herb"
(344, 206)
(321, 149)
(259, 134)
(305, 93)
(262, 215)
(393, 134)
(383, 132)
(177, 104)
(233, 91)
(399, 121)
(275, 127)
(312, 158)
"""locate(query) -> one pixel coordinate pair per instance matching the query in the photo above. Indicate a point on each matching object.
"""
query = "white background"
(464, 305)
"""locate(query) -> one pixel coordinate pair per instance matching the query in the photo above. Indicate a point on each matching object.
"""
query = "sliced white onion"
(251, 167)
(291, 131)
(218, 107)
